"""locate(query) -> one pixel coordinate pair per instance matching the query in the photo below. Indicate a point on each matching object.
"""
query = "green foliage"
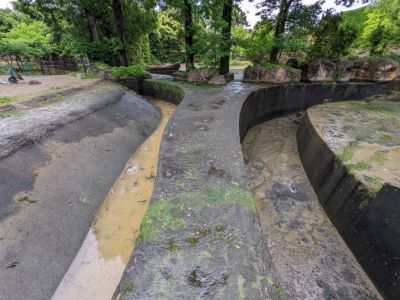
(332, 38)
(240, 39)
(260, 42)
(26, 39)
(382, 27)
(5, 100)
(167, 43)
(131, 71)
(356, 19)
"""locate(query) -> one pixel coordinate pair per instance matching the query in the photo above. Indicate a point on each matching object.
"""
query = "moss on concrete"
(348, 151)
(170, 214)
(163, 89)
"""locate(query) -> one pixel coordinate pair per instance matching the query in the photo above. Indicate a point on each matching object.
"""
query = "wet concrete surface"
(310, 256)
(99, 264)
(50, 191)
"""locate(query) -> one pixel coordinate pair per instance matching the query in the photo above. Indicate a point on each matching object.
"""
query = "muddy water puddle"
(99, 264)
(308, 253)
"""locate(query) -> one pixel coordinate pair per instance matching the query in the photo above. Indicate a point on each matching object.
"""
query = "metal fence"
(45, 66)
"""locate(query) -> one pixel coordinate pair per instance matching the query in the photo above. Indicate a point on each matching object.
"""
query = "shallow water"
(99, 264)
(307, 251)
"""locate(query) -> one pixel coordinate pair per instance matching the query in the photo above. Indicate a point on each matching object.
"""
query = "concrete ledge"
(369, 224)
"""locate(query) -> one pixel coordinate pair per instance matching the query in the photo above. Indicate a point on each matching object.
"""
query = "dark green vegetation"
(131, 71)
(205, 34)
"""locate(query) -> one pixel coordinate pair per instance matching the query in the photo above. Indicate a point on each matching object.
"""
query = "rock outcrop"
(198, 76)
(271, 75)
(221, 79)
(321, 70)
(375, 70)
(343, 71)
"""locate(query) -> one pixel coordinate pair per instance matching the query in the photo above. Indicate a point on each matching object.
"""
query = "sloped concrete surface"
(51, 190)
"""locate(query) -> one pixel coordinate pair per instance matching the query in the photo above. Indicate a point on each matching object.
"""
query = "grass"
(126, 287)
(11, 113)
(5, 100)
(25, 199)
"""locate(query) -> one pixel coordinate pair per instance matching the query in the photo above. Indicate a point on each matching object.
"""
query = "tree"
(287, 14)
(120, 25)
(382, 27)
(167, 40)
(226, 36)
(332, 38)
(189, 33)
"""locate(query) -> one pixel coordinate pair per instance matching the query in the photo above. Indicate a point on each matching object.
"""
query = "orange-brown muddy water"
(99, 264)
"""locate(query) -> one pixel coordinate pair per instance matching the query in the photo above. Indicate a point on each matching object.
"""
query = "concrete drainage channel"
(98, 266)
(203, 234)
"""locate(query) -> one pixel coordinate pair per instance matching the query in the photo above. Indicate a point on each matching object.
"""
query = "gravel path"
(48, 83)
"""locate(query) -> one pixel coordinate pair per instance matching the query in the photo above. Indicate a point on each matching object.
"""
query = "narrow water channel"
(99, 264)
(308, 253)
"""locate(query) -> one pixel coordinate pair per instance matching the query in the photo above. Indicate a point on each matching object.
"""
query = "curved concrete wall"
(369, 224)
(373, 234)
(264, 103)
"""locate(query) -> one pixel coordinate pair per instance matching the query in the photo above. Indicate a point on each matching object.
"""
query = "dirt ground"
(49, 83)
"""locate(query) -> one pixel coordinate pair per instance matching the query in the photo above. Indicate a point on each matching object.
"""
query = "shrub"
(137, 71)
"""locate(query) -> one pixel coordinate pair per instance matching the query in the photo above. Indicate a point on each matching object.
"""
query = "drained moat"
(306, 250)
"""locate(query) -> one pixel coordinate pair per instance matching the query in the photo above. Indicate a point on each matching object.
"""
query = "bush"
(137, 71)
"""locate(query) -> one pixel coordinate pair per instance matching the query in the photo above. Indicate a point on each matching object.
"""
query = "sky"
(250, 8)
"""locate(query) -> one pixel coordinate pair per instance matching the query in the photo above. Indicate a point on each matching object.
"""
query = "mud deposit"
(98, 266)
(308, 253)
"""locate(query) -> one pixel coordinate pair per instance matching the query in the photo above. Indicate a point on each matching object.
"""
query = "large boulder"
(343, 71)
(198, 76)
(381, 70)
(321, 70)
(271, 74)
(221, 79)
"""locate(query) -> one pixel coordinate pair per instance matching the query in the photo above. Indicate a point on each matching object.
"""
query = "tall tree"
(120, 26)
(226, 36)
(287, 14)
(189, 33)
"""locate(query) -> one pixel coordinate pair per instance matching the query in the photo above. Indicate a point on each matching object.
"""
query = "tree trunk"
(119, 19)
(279, 29)
(92, 25)
(189, 35)
(226, 36)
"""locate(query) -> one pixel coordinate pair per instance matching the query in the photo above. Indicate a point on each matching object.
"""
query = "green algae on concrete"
(169, 214)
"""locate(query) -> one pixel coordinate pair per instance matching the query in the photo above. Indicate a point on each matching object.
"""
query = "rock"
(198, 76)
(344, 71)
(361, 53)
(180, 75)
(107, 75)
(292, 62)
(271, 75)
(375, 70)
(321, 70)
(34, 82)
(166, 69)
(221, 79)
